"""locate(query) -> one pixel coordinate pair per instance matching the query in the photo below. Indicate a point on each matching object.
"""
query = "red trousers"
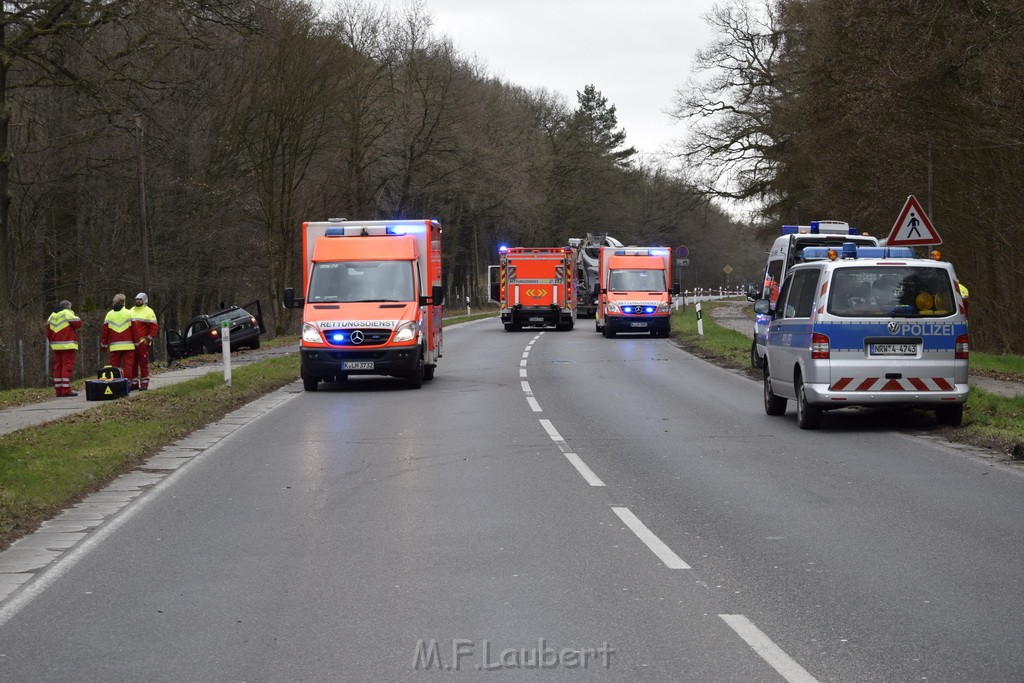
(140, 378)
(124, 360)
(63, 368)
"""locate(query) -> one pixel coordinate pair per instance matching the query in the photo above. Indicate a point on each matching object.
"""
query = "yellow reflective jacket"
(118, 332)
(62, 330)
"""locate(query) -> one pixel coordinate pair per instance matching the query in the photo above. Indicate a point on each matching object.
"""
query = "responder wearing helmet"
(146, 329)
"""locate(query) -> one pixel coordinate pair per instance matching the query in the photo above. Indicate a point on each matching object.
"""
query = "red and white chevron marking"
(883, 384)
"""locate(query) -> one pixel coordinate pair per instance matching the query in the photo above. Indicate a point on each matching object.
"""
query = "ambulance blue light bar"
(334, 232)
(405, 229)
(658, 252)
(503, 249)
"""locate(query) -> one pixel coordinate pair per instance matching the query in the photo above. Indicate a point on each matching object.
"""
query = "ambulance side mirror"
(436, 297)
(290, 300)
(675, 289)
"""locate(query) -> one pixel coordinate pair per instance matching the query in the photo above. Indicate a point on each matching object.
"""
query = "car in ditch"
(204, 333)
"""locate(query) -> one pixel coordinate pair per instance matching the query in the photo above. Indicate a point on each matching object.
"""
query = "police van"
(788, 250)
(864, 326)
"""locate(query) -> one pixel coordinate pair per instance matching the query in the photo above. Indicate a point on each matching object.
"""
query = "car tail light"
(214, 332)
(819, 346)
(252, 318)
(962, 348)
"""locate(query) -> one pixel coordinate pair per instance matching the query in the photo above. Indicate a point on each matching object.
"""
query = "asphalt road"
(549, 505)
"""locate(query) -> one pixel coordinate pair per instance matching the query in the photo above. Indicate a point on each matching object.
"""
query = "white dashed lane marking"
(769, 651)
(657, 546)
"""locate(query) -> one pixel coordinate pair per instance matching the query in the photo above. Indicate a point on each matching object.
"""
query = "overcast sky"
(636, 52)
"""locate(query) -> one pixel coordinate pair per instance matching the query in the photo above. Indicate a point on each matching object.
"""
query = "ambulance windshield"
(637, 280)
(351, 281)
(891, 291)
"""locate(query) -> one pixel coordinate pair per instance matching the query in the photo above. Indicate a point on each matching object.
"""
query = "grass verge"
(43, 469)
(990, 421)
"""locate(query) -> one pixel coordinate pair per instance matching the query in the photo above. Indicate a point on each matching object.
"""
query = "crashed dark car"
(203, 333)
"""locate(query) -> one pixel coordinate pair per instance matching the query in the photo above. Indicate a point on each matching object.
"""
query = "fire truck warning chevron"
(536, 288)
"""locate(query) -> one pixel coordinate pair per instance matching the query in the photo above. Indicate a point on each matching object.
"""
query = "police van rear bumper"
(826, 395)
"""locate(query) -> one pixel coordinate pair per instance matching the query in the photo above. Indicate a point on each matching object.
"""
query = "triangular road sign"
(912, 228)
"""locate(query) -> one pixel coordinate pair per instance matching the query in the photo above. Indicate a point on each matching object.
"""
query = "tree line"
(827, 109)
(175, 147)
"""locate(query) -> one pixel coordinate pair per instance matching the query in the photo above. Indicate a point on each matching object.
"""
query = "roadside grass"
(990, 420)
(11, 398)
(725, 346)
(43, 469)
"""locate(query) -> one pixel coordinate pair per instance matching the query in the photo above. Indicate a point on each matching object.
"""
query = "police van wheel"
(773, 405)
(950, 416)
(756, 361)
(807, 416)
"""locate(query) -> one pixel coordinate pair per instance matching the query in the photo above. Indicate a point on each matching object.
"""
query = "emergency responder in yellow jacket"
(62, 333)
(120, 336)
(147, 329)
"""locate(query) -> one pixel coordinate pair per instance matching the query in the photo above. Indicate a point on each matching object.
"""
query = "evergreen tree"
(595, 124)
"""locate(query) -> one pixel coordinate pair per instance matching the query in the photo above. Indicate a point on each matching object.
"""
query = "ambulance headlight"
(664, 308)
(311, 335)
(406, 332)
(611, 308)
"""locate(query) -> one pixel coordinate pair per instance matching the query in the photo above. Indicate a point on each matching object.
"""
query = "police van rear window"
(891, 291)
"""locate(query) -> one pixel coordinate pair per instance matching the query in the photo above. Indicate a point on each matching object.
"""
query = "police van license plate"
(537, 319)
(638, 324)
(357, 365)
(893, 349)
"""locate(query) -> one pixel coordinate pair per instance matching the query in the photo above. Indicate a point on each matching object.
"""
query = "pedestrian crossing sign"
(912, 228)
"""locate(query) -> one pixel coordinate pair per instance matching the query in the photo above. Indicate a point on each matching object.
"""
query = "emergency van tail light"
(819, 346)
(311, 335)
(962, 348)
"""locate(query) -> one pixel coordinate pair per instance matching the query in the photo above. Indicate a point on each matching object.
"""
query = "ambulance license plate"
(638, 324)
(893, 349)
(357, 365)
(537, 320)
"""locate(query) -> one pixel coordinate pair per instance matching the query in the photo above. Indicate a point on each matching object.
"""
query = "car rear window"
(891, 291)
(235, 314)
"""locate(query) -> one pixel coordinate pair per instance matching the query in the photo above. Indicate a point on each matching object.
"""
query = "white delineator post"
(225, 349)
(700, 322)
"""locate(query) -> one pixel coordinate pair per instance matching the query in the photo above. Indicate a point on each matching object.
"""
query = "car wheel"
(807, 416)
(773, 405)
(209, 347)
(508, 327)
(255, 344)
(756, 361)
(950, 416)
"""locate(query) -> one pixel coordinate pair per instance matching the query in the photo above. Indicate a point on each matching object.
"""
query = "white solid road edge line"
(769, 651)
(657, 546)
(54, 571)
